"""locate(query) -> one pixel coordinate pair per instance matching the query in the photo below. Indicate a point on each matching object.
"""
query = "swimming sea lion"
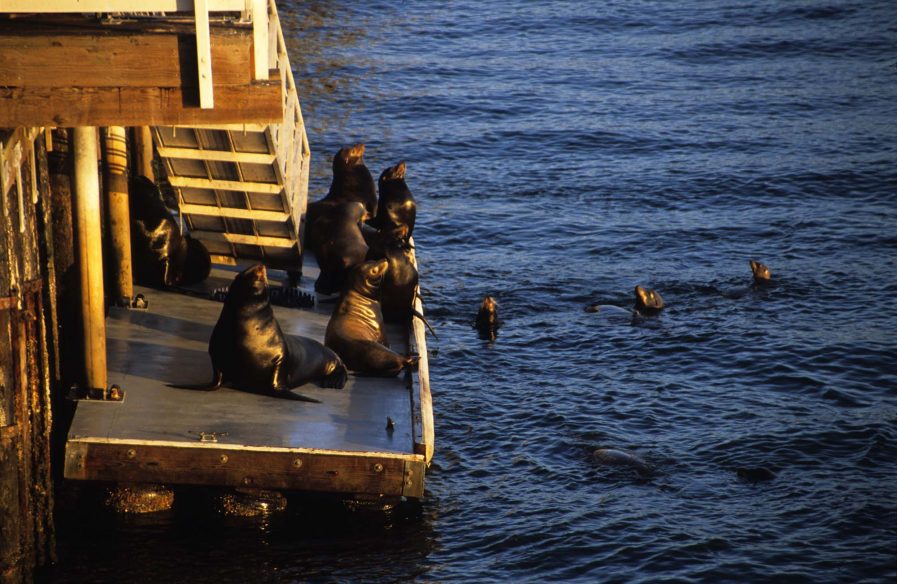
(355, 330)
(161, 256)
(622, 458)
(487, 321)
(341, 245)
(250, 351)
(761, 273)
(647, 301)
(396, 210)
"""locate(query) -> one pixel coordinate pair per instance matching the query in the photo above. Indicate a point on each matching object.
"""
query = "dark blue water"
(560, 154)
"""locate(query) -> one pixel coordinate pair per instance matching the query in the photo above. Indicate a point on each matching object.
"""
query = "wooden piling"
(115, 158)
(143, 138)
(90, 247)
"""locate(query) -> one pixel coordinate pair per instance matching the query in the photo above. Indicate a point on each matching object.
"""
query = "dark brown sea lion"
(352, 182)
(487, 321)
(161, 256)
(250, 351)
(400, 282)
(396, 210)
(762, 275)
(341, 245)
(355, 330)
(647, 301)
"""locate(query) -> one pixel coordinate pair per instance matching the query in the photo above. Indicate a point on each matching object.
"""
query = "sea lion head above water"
(762, 275)
(487, 321)
(647, 301)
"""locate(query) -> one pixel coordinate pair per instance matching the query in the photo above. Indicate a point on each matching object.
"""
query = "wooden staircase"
(242, 189)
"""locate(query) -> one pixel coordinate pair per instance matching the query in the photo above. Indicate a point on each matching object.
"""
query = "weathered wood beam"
(61, 6)
(259, 102)
(35, 58)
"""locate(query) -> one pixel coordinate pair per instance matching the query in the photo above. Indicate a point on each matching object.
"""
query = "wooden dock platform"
(234, 438)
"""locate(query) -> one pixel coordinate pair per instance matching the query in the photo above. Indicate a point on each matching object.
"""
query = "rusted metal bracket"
(208, 436)
(113, 394)
(138, 302)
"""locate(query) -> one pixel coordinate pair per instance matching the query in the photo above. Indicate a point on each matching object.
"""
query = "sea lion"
(622, 458)
(396, 209)
(161, 256)
(341, 245)
(352, 182)
(762, 275)
(355, 330)
(647, 301)
(250, 351)
(487, 321)
(400, 282)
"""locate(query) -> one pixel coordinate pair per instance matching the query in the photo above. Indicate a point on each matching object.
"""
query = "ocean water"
(560, 154)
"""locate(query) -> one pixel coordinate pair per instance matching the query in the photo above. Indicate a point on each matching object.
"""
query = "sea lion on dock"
(352, 182)
(761, 273)
(161, 255)
(355, 330)
(341, 245)
(487, 321)
(396, 209)
(400, 282)
(250, 351)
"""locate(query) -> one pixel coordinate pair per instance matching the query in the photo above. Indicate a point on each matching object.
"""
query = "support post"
(87, 204)
(116, 185)
(144, 139)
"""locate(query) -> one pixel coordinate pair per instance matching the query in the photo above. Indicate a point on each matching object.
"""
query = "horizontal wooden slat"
(223, 260)
(209, 464)
(61, 6)
(119, 59)
(225, 185)
(260, 241)
(217, 155)
(90, 106)
(278, 216)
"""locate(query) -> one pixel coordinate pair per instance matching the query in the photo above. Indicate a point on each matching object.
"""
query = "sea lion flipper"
(336, 379)
(414, 312)
(215, 384)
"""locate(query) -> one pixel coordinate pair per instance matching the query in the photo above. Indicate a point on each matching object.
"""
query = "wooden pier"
(202, 92)
(233, 438)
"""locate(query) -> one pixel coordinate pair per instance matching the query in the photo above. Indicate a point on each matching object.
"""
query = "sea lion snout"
(760, 271)
(648, 300)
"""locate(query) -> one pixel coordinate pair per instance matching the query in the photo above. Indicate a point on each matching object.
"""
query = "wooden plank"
(219, 155)
(223, 260)
(30, 57)
(152, 106)
(258, 240)
(210, 464)
(62, 6)
(225, 185)
(203, 54)
(278, 216)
